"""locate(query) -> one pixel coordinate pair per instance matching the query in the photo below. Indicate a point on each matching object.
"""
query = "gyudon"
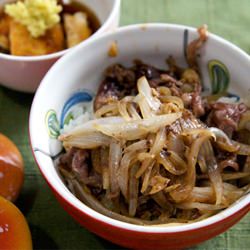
(157, 151)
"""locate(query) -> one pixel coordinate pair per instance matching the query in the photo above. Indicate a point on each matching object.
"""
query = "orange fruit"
(11, 169)
(14, 230)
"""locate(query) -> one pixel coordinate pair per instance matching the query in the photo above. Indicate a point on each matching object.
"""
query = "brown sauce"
(75, 6)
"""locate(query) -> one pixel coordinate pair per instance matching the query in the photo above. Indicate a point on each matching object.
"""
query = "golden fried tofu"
(76, 28)
(23, 44)
(4, 31)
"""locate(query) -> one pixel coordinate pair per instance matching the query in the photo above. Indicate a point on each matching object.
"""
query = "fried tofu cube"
(76, 28)
(23, 44)
(4, 42)
(4, 31)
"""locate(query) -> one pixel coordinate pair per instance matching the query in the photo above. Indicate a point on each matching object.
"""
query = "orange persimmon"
(11, 169)
(14, 230)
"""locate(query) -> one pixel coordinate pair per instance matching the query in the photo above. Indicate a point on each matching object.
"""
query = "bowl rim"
(73, 201)
(115, 9)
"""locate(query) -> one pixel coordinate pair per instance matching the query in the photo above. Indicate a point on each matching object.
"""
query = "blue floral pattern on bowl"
(52, 122)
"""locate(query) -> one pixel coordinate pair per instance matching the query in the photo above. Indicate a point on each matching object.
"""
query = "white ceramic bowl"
(24, 73)
(77, 75)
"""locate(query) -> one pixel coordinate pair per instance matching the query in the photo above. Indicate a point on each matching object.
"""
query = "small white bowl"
(24, 73)
(76, 78)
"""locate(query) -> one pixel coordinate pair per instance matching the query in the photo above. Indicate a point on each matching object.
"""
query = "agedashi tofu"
(76, 28)
(4, 32)
(23, 44)
(37, 15)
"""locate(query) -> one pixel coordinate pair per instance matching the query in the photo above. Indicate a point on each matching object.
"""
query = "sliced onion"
(193, 155)
(142, 144)
(147, 174)
(146, 92)
(243, 149)
(202, 194)
(109, 108)
(188, 182)
(144, 156)
(134, 130)
(160, 141)
(133, 190)
(199, 131)
(232, 196)
(87, 141)
(114, 163)
(177, 160)
(234, 176)
(204, 216)
(145, 109)
(158, 183)
(85, 195)
(122, 108)
(169, 165)
(88, 127)
(132, 111)
(171, 188)
(213, 170)
(174, 100)
(232, 193)
(223, 141)
(105, 168)
(202, 163)
(123, 174)
(203, 207)
(175, 143)
(229, 187)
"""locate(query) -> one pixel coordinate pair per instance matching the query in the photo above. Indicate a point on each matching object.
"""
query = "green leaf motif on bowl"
(52, 124)
(219, 76)
(68, 118)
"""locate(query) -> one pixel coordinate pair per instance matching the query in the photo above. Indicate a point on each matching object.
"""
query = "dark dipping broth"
(75, 6)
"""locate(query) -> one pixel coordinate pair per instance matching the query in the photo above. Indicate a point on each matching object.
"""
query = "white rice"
(81, 113)
(229, 100)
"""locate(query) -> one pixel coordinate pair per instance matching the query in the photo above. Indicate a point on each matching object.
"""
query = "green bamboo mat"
(51, 226)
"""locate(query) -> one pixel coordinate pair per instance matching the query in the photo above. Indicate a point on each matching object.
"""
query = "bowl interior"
(102, 9)
(222, 65)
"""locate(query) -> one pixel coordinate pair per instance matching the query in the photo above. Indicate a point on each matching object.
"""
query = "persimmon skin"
(11, 169)
(14, 230)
